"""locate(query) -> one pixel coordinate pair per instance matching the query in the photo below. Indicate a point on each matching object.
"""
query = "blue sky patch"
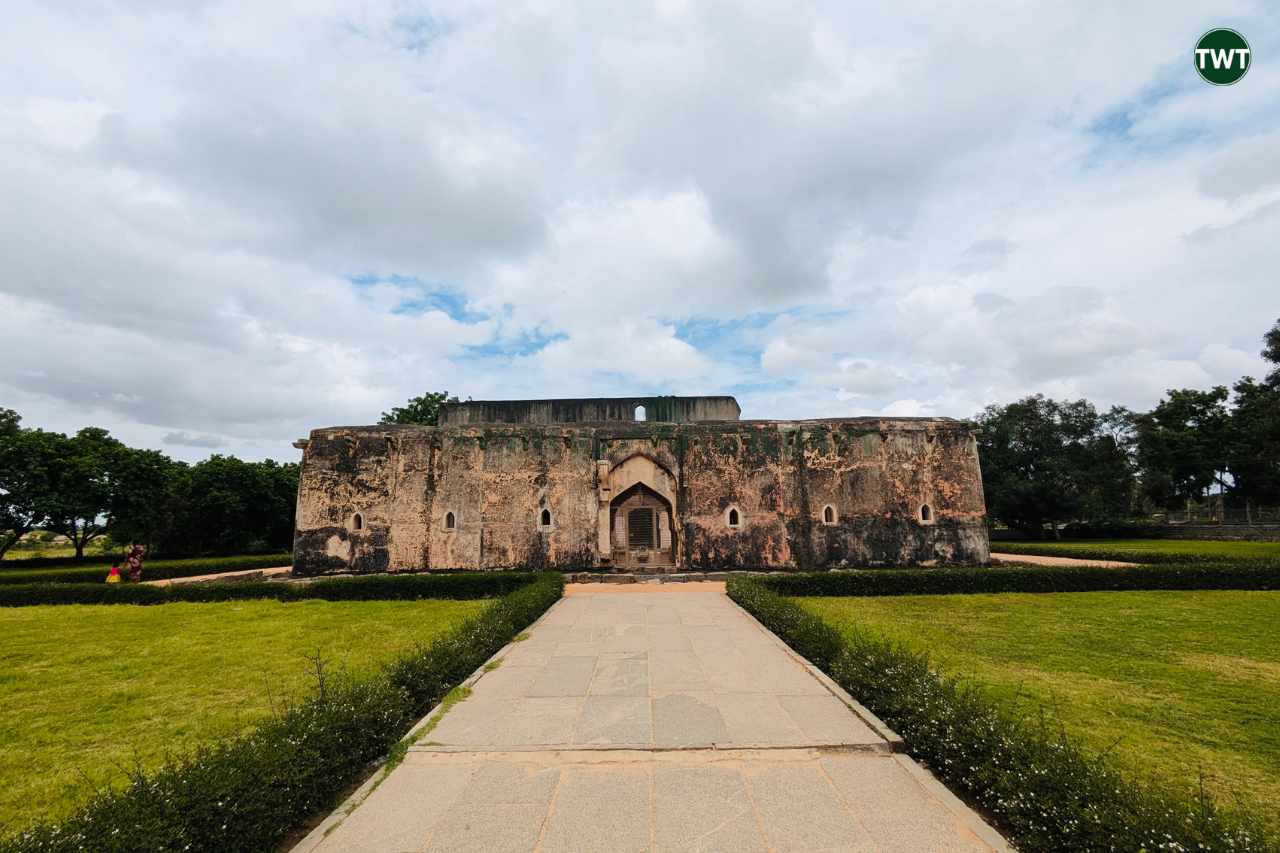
(421, 296)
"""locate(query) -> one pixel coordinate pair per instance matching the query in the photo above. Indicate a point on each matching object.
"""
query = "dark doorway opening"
(640, 528)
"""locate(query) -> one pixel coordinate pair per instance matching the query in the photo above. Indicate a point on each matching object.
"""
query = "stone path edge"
(238, 575)
(894, 740)
(1001, 558)
(339, 813)
(826, 748)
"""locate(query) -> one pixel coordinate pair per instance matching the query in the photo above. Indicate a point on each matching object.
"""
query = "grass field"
(1174, 683)
(46, 546)
(88, 690)
(94, 552)
(1198, 547)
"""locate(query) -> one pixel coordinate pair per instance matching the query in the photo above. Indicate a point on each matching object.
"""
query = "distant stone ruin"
(648, 484)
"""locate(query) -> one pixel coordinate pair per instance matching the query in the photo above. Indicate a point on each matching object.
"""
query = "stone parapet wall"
(590, 411)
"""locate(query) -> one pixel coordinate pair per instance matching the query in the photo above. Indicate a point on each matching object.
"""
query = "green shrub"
(1119, 555)
(151, 571)
(1038, 788)
(251, 792)
(460, 586)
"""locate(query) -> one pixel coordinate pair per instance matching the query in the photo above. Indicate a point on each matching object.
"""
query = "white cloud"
(230, 222)
(906, 409)
(187, 440)
(66, 124)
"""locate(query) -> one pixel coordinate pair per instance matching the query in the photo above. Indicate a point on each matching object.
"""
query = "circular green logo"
(1222, 57)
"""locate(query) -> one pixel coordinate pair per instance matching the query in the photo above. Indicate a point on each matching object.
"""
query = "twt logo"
(1222, 57)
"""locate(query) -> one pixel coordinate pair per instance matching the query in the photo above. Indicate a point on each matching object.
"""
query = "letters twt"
(1223, 57)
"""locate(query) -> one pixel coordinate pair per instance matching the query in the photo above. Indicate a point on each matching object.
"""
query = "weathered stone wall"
(875, 476)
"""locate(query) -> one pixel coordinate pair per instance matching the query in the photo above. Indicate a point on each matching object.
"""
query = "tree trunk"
(8, 542)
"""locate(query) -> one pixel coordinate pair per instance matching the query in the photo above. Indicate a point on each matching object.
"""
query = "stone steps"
(650, 577)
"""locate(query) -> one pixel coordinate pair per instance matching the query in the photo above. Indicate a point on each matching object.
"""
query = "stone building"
(638, 484)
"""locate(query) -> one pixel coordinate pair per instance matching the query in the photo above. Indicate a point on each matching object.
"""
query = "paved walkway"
(1045, 560)
(243, 574)
(658, 720)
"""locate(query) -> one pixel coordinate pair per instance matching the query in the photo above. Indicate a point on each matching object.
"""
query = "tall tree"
(1046, 462)
(14, 522)
(280, 501)
(227, 505)
(1182, 445)
(90, 485)
(1253, 453)
(1106, 474)
(143, 496)
(27, 458)
(1271, 352)
(419, 410)
(83, 489)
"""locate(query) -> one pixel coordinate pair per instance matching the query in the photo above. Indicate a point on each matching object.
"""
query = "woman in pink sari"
(133, 561)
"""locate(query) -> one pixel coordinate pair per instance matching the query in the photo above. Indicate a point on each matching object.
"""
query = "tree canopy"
(419, 410)
(90, 485)
(1271, 352)
(1182, 444)
(27, 462)
(1046, 462)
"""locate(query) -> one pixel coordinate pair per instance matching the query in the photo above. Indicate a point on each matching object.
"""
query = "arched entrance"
(640, 534)
(638, 512)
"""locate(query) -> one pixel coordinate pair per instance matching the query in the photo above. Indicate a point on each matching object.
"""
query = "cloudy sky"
(225, 223)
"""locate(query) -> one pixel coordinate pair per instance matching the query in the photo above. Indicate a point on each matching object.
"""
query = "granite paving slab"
(653, 720)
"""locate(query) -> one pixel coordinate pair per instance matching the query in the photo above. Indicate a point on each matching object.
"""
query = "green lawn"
(88, 689)
(1205, 547)
(1176, 682)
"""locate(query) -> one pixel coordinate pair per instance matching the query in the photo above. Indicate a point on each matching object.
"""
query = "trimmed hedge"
(1120, 555)
(1043, 792)
(151, 571)
(251, 792)
(372, 588)
(1231, 574)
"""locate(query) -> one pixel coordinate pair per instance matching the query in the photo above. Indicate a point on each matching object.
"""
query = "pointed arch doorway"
(640, 531)
(637, 522)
